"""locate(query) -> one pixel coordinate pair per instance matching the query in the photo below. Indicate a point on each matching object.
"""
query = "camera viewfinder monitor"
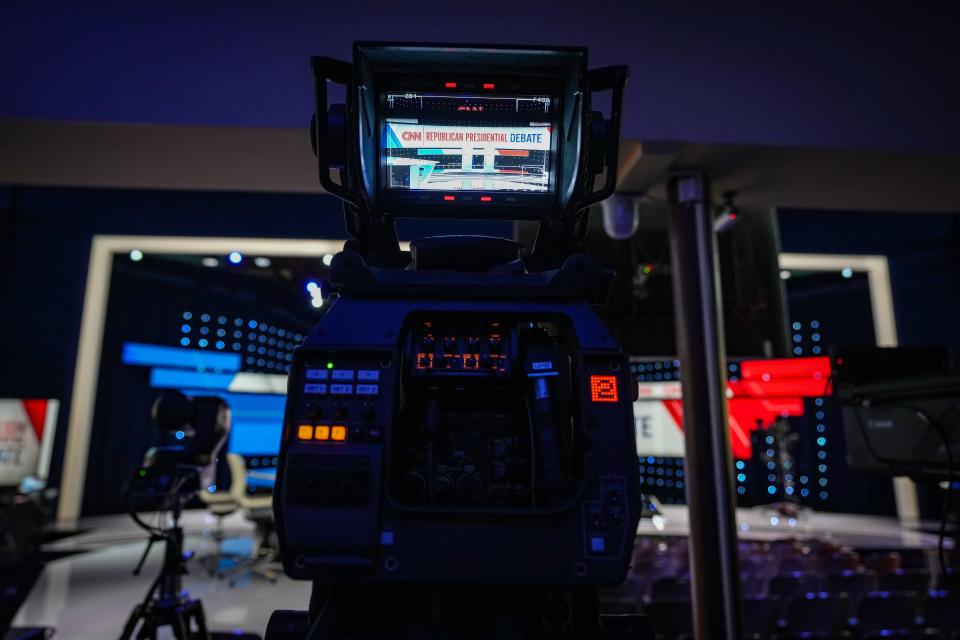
(476, 132)
(466, 143)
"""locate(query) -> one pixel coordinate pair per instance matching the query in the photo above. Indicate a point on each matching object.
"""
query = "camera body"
(203, 424)
(460, 414)
(378, 497)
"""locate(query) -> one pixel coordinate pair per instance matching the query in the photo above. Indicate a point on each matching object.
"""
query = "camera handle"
(330, 153)
(374, 237)
(557, 239)
(605, 149)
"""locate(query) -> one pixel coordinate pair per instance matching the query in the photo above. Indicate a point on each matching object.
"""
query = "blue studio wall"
(924, 256)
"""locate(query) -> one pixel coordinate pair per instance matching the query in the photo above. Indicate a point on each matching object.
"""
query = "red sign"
(765, 391)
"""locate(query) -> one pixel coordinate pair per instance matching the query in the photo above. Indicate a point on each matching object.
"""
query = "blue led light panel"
(152, 355)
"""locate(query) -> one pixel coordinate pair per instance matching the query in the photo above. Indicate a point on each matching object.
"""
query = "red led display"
(784, 378)
(817, 368)
(603, 389)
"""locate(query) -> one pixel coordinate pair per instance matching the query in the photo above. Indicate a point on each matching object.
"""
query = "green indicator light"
(329, 365)
(143, 473)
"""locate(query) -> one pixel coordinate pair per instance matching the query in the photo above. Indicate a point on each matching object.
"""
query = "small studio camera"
(459, 420)
(168, 477)
(200, 426)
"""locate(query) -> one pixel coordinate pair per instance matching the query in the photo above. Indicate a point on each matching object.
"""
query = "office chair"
(219, 504)
(259, 510)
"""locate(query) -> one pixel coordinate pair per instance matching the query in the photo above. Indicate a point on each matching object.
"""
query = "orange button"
(322, 432)
(305, 432)
(338, 433)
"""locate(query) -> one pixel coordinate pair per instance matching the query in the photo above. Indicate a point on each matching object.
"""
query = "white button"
(315, 388)
(368, 374)
(343, 374)
(368, 389)
(317, 374)
(341, 389)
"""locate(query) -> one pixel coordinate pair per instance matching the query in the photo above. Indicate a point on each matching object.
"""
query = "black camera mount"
(166, 603)
(168, 477)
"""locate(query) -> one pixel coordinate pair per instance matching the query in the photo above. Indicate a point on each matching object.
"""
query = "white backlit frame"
(103, 248)
(884, 328)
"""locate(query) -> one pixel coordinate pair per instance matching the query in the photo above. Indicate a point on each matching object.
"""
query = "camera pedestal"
(169, 476)
(170, 607)
(177, 615)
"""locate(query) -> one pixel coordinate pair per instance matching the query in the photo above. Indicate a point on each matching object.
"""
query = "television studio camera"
(168, 477)
(458, 454)
(901, 417)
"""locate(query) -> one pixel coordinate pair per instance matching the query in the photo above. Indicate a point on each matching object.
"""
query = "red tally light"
(488, 85)
(486, 198)
(732, 216)
(450, 85)
(449, 198)
(604, 389)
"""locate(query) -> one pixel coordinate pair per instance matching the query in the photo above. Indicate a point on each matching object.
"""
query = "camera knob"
(442, 488)
(413, 486)
(469, 487)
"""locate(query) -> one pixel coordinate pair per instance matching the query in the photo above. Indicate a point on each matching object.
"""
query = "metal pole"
(709, 472)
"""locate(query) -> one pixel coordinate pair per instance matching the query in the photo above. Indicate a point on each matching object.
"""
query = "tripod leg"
(201, 619)
(131, 625)
(181, 628)
(148, 631)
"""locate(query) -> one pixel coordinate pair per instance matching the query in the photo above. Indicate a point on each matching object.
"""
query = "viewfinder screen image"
(468, 143)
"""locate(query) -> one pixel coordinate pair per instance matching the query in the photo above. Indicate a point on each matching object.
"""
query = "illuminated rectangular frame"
(877, 269)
